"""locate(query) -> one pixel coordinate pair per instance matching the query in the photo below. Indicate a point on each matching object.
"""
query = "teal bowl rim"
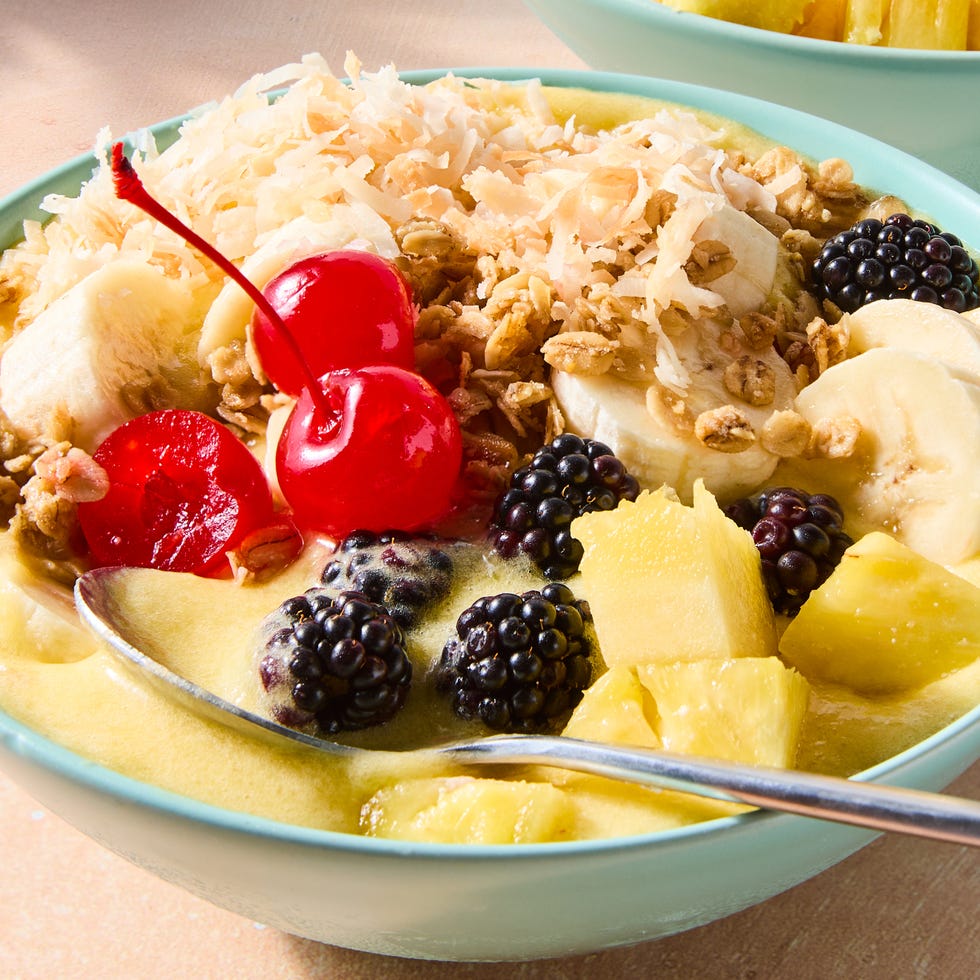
(37, 749)
(702, 27)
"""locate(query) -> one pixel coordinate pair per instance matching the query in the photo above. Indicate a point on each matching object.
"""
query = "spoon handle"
(877, 807)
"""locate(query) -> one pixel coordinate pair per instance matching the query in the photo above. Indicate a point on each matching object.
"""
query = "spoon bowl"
(882, 808)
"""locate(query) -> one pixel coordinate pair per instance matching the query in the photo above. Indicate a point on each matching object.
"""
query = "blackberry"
(898, 258)
(333, 662)
(400, 572)
(565, 479)
(518, 663)
(800, 538)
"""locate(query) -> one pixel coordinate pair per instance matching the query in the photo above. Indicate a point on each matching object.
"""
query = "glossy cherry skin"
(345, 309)
(183, 491)
(387, 458)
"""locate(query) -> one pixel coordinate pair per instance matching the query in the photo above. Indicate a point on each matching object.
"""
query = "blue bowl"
(924, 102)
(455, 902)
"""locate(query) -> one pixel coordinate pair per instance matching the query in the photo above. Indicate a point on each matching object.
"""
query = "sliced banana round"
(973, 316)
(923, 328)
(654, 429)
(120, 342)
(915, 468)
(349, 226)
(755, 250)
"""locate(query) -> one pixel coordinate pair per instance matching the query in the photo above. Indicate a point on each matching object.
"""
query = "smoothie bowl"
(625, 443)
(914, 97)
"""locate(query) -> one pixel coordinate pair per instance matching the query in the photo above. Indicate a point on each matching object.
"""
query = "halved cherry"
(387, 455)
(183, 491)
(345, 308)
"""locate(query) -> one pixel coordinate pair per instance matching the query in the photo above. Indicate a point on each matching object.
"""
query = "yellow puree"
(55, 678)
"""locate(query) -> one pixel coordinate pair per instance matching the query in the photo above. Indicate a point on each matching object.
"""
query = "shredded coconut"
(488, 161)
(531, 243)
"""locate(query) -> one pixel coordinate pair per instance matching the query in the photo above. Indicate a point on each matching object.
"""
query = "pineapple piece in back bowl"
(829, 78)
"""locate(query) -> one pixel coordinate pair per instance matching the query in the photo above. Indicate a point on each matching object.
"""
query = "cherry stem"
(129, 187)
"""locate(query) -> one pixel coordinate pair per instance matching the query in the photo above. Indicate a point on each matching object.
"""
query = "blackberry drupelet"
(399, 571)
(519, 663)
(565, 479)
(800, 538)
(333, 662)
(898, 258)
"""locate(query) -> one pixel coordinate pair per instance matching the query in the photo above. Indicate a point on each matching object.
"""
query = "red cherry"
(346, 309)
(375, 447)
(387, 455)
(183, 491)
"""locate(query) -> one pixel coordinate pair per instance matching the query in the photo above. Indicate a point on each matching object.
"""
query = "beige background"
(68, 909)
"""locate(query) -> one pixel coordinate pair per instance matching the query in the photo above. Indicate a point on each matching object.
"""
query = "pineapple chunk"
(750, 709)
(617, 709)
(747, 710)
(770, 15)
(467, 810)
(667, 582)
(928, 24)
(886, 620)
(864, 20)
(824, 19)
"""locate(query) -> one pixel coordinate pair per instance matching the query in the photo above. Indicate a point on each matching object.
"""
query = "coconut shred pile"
(528, 241)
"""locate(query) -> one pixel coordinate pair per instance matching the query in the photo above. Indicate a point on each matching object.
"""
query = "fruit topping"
(183, 492)
(129, 187)
(898, 258)
(386, 453)
(565, 479)
(670, 582)
(345, 308)
(372, 446)
(800, 538)
(333, 663)
(402, 573)
(886, 621)
(518, 662)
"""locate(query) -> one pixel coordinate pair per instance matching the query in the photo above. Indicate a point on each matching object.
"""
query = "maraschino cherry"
(387, 456)
(346, 309)
(183, 491)
(367, 445)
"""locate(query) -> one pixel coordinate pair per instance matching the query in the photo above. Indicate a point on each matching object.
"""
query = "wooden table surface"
(901, 908)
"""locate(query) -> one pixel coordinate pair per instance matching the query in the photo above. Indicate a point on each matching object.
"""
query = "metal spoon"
(874, 806)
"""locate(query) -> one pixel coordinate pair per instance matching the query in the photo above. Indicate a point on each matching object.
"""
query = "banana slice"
(349, 226)
(615, 412)
(118, 343)
(915, 472)
(756, 252)
(923, 328)
(652, 428)
(38, 615)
